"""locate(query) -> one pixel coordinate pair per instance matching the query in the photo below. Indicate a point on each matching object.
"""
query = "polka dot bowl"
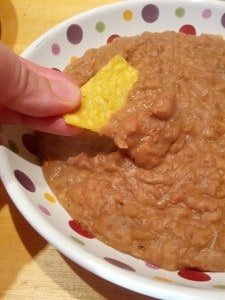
(20, 168)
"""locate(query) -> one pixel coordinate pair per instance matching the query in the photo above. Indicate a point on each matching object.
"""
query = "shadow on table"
(8, 23)
(31, 240)
(70, 277)
(66, 274)
(3, 197)
(107, 289)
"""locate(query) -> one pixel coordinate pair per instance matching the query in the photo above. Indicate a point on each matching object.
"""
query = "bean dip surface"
(153, 183)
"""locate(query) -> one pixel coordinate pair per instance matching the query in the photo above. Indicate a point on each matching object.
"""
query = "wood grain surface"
(30, 268)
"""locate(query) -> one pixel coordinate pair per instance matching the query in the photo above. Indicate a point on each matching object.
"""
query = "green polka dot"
(100, 27)
(219, 286)
(180, 12)
(77, 240)
(13, 146)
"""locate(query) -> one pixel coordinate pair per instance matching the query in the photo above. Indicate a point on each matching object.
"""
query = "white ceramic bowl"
(22, 175)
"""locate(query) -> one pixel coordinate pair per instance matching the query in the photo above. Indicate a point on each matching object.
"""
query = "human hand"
(35, 96)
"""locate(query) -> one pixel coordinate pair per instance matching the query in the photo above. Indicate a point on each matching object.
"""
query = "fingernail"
(65, 90)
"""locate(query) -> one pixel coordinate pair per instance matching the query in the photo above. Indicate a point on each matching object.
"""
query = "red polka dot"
(188, 29)
(112, 37)
(78, 229)
(194, 275)
(150, 265)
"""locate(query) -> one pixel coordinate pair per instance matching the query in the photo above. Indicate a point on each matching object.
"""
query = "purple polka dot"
(56, 69)
(44, 210)
(207, 13)
(24, 180)
(119, 264)
(150, 13)
(74, 34)
(223, 20)
(30, 143)
(55, 49)
(111, 38)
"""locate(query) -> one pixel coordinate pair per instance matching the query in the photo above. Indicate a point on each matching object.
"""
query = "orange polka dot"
(163, 279)
(49, 197)
(127, 15)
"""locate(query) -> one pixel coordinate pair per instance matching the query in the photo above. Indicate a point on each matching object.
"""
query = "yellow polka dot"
(163, 279)
(219, 36)
(73, 59)
(219, 286)
(50, 197)
(127, 15)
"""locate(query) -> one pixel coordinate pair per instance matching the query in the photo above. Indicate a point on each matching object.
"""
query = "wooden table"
(29, 267)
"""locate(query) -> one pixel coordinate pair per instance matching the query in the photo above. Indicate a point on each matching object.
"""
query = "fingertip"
(53, 125)
(67, 130)
(66, 91)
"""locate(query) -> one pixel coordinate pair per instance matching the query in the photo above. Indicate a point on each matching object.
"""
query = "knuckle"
(19, 87)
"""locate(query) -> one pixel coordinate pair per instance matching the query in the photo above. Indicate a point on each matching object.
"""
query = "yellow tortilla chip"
(104, 94)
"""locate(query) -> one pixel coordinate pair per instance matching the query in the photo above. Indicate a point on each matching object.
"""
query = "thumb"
(33, 90)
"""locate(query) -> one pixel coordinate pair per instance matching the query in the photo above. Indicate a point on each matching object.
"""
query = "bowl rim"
(92, 263)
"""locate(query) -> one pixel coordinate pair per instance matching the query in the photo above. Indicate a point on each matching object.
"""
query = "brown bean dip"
(153, 184)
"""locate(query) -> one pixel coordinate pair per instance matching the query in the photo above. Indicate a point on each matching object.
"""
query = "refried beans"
(153, 183)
